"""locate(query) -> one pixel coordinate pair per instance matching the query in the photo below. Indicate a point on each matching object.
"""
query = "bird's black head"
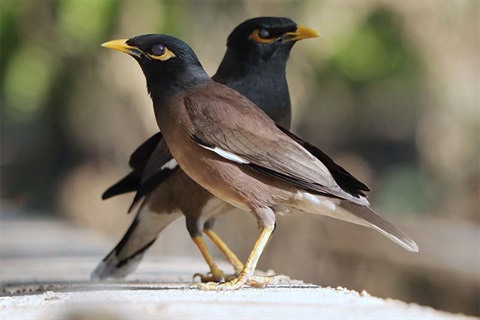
(166, 61)
(257, 40)
(255, 63)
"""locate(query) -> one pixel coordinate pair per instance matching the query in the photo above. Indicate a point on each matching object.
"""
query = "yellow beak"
(122, 46)
(299, 34)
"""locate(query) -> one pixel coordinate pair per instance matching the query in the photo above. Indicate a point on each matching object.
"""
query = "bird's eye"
(160, 52)
(264, 33)
(158, 49)
(262, 36)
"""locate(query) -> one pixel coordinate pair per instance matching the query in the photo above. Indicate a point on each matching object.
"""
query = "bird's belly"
(241, 186)
(180, 193)
(215, 206)
(222, 182)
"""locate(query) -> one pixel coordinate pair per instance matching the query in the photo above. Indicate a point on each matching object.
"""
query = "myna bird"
(233, 149)
(254, 65)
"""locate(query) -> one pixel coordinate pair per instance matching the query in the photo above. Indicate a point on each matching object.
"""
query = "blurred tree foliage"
(44, 44)
(367, 103)
(377, 69)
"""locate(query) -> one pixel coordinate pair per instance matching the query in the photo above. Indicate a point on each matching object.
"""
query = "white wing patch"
(172, 164)
(227, 155)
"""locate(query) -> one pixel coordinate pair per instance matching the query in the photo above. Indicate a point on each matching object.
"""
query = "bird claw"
(234, 284)
(216, 275)
(206, 278)
(264, 281)
(239, 281)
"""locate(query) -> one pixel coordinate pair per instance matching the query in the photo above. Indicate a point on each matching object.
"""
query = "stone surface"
(45, 268)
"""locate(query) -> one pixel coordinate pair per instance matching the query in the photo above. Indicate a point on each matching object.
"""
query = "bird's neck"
(237, 64)
(170, 82)
(263, 82)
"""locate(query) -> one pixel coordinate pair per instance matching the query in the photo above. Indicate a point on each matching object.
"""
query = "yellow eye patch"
(167, 54)
(255, 36)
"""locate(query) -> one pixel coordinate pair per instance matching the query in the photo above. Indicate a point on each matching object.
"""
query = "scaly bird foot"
(241, 280)
(215, 275)
(218, 277)
(234, 284)
(264, 281)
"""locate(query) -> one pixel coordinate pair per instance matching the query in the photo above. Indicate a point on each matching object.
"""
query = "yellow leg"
(216, 273)
(246, 275)
(225, 250)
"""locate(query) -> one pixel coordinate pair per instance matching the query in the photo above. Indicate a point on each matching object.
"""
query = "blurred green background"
(390, 90)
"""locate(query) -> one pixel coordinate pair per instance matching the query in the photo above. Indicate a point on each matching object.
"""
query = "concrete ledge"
(178, 301)
(45, 265)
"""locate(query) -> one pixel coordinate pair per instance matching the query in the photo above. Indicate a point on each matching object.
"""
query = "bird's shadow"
(33, 288)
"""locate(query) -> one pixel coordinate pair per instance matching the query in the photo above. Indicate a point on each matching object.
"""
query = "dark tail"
(128, 253)
(380, 224)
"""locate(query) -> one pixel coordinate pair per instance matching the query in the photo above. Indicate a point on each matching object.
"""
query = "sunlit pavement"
(45, 268)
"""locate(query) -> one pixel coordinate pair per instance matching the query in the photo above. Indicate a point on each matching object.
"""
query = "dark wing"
(138, 161)
(139, 158)
(152, 163)
(127, 184)
(159, 167)
(233, 127)
(344, 179)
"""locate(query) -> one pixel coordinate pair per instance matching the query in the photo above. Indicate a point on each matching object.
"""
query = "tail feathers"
(112, 266)
(380, 224)
(129, 183)
(128, 253)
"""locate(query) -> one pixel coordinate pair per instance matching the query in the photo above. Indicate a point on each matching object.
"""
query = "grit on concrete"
(184, 303)
(45, 265)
